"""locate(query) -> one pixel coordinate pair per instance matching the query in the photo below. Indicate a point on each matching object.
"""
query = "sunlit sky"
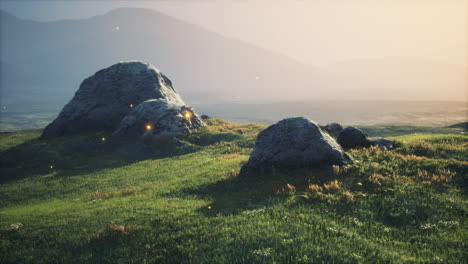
(314, 32)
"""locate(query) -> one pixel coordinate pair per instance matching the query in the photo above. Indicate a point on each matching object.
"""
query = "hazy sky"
(314, 32)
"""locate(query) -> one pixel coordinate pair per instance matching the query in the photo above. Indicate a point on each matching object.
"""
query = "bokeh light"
(187, 115)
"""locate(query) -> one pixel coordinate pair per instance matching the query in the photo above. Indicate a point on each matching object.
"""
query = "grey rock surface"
(158, 118)
(106, 97)
(293, 143)
(334, 129)
(352, 137)
(383, 143)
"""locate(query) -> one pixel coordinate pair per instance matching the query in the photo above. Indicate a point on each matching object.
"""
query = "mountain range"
(44, 63)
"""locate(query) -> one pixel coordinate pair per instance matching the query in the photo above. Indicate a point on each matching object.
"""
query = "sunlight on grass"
(404, 205)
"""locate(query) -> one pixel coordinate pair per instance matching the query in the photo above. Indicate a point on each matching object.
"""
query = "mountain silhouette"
(44, 63)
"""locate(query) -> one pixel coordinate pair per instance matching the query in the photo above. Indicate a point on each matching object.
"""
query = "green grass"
(116, 202)
(395, 130)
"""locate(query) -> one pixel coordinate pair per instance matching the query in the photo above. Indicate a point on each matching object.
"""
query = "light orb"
(187, 115)
(148, 127)
(131, 105)
(103, 139)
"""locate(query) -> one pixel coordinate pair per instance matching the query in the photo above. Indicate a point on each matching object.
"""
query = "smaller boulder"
(352, 137)
(158, 118)
(205, 117)
(293, 143)
(383, 143)
(334, 129)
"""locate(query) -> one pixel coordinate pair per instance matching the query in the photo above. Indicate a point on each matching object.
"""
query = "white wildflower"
(16, 226)
(427, 226)
(266, 252)
(449, 223)
(253, 212)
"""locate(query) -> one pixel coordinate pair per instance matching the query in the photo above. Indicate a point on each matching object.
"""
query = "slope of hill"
(463, 125)
(63, 202)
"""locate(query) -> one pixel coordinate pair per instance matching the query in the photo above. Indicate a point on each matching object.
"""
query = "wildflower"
(16, 226)
(427, 226)
(448, 223)
(266, 252)
(253, 212)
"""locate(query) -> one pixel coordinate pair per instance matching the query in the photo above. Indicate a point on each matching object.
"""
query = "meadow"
(81, 199)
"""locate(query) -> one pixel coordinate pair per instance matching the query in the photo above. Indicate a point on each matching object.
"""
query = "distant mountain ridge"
(44, 63)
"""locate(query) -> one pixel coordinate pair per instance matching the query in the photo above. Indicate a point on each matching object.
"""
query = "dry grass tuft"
(439, 176)
(332, 186)
(98, 195)
(339, 170)
(314, 188)
(129, 190)
(101, 195)
(233, 173)
(347, 195)
(287, 189)
(111, 231)
(278, 187)
(230, 156)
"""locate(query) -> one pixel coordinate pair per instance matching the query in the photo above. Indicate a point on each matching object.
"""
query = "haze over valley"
(44, 62)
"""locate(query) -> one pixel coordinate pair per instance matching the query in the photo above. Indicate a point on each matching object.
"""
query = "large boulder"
(157, 118)
(106, 97)
(293, 143)
(352, 137)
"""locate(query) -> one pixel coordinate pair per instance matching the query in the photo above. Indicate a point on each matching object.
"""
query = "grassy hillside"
(84, 200)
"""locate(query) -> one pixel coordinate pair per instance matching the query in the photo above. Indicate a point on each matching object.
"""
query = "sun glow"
(148, 127)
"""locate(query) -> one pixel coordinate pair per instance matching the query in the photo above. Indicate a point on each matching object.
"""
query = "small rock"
(205, 117)
(352, 137)
(383, 143)
(334, 129)
(240, 131)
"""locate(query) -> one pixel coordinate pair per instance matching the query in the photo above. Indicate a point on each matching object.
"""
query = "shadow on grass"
(72, 155)
(235, 194)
